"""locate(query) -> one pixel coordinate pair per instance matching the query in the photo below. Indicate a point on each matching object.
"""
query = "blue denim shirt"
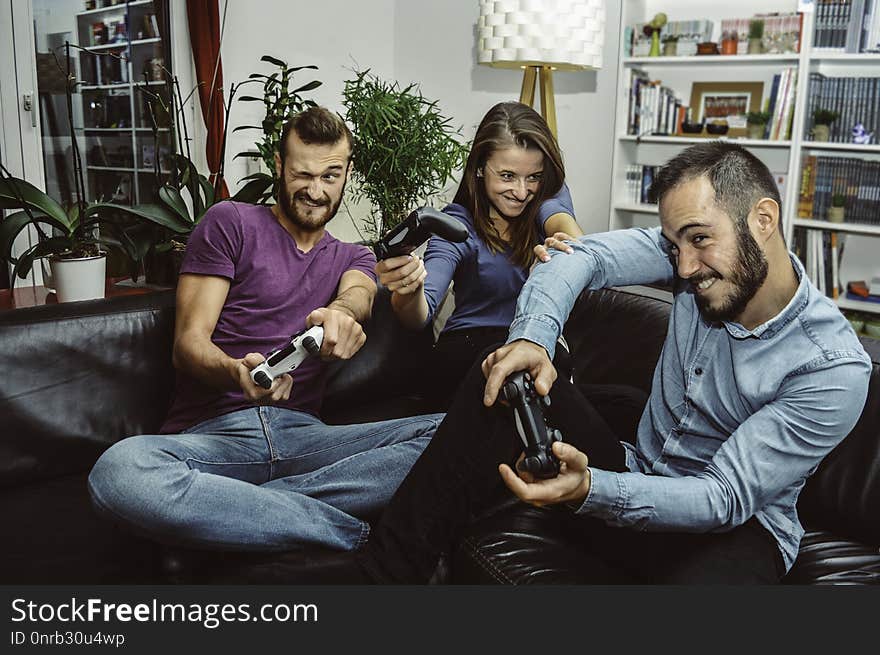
(737, 419)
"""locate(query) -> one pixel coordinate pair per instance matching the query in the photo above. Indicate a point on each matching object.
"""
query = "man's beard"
(289, 208)
(747, 276)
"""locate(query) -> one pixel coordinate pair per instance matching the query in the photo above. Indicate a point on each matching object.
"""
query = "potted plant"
(729, 42)
(756, 123)
(670, 45)
(405, 150)
(836, 211)
(822, 119)
(756, 34)
(281, 103)
(69, 236)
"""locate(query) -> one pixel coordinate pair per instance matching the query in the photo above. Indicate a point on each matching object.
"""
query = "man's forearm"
(356, 301)
(206, 362)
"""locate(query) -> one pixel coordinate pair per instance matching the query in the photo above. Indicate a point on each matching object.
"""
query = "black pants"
(451, 359)
(456, 481)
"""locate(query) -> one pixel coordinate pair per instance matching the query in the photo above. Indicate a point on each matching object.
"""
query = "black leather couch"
(78, 376)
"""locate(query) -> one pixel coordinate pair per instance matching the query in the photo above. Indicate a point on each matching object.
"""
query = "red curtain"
(203, 17)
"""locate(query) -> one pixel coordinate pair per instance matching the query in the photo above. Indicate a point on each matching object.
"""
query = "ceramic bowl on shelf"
(707, 48)
(717, 128)
(691, 128)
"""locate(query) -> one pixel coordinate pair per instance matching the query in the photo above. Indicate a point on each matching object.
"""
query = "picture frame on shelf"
(727, 101)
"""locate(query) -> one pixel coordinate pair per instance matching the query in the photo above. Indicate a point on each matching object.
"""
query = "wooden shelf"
(858, 305)
(639, 208)
(117, 7)
(851, 228)
(845, 147)
(687, 140)
(702, 60)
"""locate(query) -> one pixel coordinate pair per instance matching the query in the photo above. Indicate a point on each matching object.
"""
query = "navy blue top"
(486, 284)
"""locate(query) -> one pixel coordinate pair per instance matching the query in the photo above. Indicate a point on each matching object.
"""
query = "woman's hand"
(557, 242)
(403, 275)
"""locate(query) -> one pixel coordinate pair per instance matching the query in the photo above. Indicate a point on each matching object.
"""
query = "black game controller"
(531, 423)
(418, 228)
(286, 359)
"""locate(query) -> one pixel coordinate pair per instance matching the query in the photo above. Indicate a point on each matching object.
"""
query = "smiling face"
(312, 181)
(512, 178)
(722, 261)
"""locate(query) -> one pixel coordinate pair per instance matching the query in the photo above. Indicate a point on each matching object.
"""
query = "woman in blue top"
(512, 194)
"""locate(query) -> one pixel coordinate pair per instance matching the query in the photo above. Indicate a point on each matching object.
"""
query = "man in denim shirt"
(760, 377)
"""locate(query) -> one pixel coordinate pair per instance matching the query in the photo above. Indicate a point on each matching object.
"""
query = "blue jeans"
(259, 479)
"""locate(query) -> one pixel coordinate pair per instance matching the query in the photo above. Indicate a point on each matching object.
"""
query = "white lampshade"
(564, 34)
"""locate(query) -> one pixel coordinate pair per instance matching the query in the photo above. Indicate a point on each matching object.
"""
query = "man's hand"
(343, 336)
(571, 485)
(240, 370)
(520, 355)
(403, 275)
(557, 242)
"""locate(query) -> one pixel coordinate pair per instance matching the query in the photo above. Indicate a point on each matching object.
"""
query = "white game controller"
(288, 358)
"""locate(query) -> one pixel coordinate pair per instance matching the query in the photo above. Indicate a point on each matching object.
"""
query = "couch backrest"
(616, 337)
(77, 377)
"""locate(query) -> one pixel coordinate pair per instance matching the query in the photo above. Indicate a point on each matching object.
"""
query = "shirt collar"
(795, 306)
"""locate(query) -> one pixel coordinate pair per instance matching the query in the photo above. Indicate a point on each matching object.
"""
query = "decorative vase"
(755, 47)
(821, 132)
(655, 44)
(836, 214)
(670, 49)
(728, 47)
(755, 131)
(82, 278)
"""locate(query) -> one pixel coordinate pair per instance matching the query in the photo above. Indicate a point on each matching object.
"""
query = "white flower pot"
(79, 279)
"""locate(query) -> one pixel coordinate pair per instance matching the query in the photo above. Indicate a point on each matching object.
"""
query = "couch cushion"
(51, 535)
(384, 373)
(79, 376)
(616, 336)
(844, 493)
(826, 558)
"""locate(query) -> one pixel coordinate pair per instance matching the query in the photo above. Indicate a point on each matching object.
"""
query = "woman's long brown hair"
(508, 125)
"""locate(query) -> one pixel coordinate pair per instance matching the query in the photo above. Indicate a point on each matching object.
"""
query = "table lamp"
(541, 36)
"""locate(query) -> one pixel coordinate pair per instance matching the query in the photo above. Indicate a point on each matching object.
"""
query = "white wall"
(423, 41)
(435, 44)
(333, 36)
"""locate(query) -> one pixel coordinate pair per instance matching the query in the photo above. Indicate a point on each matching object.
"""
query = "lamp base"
(527, 94)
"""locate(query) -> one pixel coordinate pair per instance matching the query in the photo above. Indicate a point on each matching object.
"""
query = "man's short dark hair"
(318, 126)
(738, 177)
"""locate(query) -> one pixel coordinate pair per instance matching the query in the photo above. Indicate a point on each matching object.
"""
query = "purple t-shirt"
(273, 287)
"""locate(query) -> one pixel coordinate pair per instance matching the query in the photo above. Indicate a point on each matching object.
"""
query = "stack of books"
(858, 180)
(854, 99)
(847, 26)
(780, 104)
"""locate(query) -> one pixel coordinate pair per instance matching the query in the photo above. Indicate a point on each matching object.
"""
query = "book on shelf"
(858, 180)
(855, 99)
(151, 26)
(807, 187)
(851, 26)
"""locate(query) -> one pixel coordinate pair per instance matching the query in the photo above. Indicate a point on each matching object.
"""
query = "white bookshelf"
(783, 157)
(115, 124)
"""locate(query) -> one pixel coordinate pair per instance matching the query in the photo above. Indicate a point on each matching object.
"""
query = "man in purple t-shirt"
(243, 467)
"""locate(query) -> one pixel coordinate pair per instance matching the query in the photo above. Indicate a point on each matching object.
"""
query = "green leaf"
(249, 99)
(154, 213)
(53, 246)
(273, 60)
(174, 201)
(208, 192)
(14, 223)
(252, 191)
(308, 87)
(16, 193)
(248, 127)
